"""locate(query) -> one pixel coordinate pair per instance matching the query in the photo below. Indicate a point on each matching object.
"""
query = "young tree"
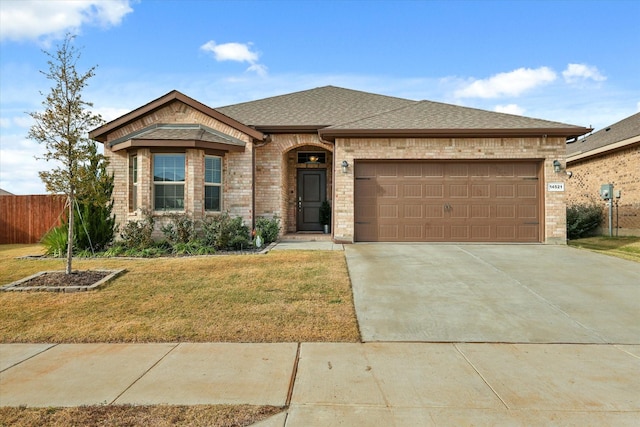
(63, 127)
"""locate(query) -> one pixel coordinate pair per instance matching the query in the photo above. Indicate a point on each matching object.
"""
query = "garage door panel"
(506, 211)
(412, 191)
(366, 170)
(460, 232)
(481, 211)
(434, 233)
(505, 191)
(528, 211)
(480, 191)
(528, 191)
(481, 233)
(434, 191)
(506, 233)
(459, 211)
(389, 232)
(413, 232)
(458, 190)
(413, 211)
(528, 232)
(433, 170)
(479, 170)
(449, 201)
(525, 170)
(387, 170)
(433, 211)
(411, 170)
(388, 211)
(457, 170)
(505, 170)
(388, 190)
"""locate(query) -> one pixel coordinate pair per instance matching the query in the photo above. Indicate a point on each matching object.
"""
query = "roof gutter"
(596, 151)
(332, 134)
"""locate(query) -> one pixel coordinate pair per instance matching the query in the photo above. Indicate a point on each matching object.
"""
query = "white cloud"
(509, 109)
(238, 52)
(50, 19)
(576, 73)
(513, 83)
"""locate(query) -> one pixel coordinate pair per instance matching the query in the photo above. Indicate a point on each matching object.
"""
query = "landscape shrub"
(181, 229)
(583, 219)
(268, 229)
(225, 233)
(94, 226)
(137, 234)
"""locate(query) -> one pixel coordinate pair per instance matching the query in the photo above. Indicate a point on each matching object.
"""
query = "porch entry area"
(311, 192)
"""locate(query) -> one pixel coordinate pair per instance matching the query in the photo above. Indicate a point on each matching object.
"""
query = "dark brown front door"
(312, 189)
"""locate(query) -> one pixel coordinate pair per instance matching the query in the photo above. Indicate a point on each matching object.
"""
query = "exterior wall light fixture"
(557, 168)
(345, 166)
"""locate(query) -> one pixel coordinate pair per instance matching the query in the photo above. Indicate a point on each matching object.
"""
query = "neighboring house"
(393, 169)
(5, 193)
(609, 156)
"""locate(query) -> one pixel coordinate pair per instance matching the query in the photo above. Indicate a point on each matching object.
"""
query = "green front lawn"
(283, 296)
(621, 247)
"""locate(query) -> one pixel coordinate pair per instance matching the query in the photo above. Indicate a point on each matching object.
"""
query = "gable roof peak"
(100, 133)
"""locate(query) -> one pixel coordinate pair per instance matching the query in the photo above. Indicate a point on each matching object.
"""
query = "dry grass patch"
(622, 247)
(125, 415)
(284, 296)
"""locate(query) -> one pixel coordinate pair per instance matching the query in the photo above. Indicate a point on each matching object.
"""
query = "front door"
(312, 190)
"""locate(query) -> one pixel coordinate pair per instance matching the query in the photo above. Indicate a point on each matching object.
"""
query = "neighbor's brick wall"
(237, 170)
(546, 149)
(620, 168)
(276, 172)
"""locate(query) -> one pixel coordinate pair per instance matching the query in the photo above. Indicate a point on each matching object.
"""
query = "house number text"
(555, 186)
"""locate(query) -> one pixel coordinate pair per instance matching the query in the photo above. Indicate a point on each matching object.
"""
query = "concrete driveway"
(493, 293)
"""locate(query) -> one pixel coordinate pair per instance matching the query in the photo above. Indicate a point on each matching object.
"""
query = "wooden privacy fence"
(25, 219)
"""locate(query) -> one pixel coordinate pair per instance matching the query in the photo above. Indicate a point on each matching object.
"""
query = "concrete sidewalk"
(341, 383)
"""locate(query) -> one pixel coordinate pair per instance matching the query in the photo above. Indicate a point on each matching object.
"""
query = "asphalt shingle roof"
(320, 107)
(437, 115)
(620, 131)
(334, 109)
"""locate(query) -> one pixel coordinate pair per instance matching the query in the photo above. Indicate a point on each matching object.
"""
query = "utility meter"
(606, 191)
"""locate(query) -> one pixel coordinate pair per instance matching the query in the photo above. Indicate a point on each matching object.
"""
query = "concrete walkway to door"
(493, 293)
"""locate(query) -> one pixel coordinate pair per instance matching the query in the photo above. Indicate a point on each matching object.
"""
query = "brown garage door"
(436, 201)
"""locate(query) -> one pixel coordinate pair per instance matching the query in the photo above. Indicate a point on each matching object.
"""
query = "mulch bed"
(59, 279)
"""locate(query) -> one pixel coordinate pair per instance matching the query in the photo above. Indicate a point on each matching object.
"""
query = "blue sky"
(575, 62)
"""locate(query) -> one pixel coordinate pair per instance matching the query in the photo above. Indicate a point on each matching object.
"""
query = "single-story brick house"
(393, 169)
(609, 156)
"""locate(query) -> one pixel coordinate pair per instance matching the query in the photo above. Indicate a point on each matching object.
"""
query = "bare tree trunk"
(71, 201)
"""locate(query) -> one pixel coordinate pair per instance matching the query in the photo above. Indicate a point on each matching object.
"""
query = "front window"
(212, 183)
(168, 182)
(133, 183)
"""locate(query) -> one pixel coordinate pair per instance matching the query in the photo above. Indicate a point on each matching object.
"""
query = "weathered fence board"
(25, 219)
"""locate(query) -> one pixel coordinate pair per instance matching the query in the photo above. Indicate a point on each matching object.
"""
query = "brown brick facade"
(237, 179)
(620, 168)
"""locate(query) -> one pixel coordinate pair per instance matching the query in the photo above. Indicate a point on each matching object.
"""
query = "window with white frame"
(212, 183)
(133, 183)
(168, 182)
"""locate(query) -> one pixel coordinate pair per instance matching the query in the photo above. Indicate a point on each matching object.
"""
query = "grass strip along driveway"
(283, 296)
